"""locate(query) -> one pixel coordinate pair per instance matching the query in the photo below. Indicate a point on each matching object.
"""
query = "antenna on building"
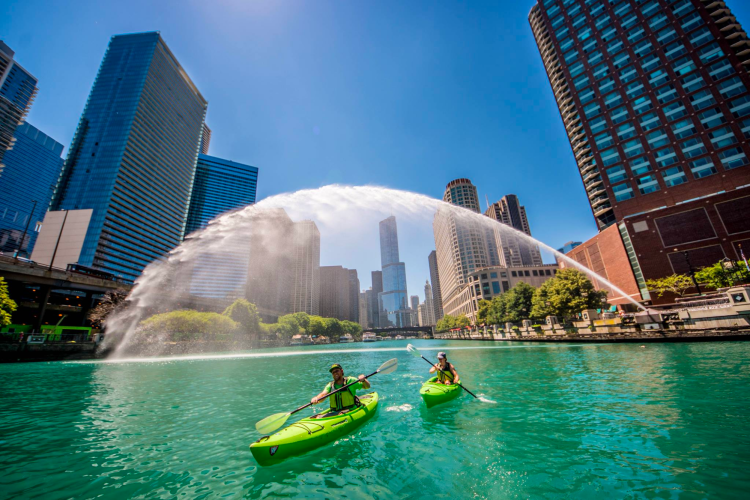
(487, 200)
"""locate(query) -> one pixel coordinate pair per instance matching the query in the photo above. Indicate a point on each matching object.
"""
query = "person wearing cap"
(446, 372)
(343, 401)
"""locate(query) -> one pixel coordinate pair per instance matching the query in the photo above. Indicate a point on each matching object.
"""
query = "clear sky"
(403, 94)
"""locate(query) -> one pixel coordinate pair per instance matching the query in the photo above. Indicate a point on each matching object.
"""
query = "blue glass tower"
(133, 157)
(220, 186)
(31, 170)
(393, 300)
(17, 92)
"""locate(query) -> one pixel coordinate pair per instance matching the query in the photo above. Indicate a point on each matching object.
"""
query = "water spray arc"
(339, 211)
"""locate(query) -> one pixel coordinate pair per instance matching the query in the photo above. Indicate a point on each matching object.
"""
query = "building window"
(625, 131)
(740, 107)
(658, 77)
(495, 287)
(513, 273)
(640, 166)
(731, 87)
(648, 184)
(710, 53)
(674, 176)
(534, 272)
(603, 140)
(691, 22)
(703, 99)
(657, 139)
(701, 36)
(745, 124)
(623, 191)
(722, 137)
(712, 118)
(683, 128)
(526, 273)
(702, 167)
(650, 121)
(616, 174)
(733, 158)
(693, 82)
(720, 70)
(633, 148)
(692, 148)
(675, 110)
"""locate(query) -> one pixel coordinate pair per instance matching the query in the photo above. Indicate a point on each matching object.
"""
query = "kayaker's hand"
(361, 378)
(314, 400)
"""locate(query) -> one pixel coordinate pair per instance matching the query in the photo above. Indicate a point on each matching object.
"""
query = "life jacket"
(344, 399)
(445, 374)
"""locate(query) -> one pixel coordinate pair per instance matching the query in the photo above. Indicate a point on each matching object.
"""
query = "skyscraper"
(363, 321)
(653, 96)
(32, 167)
(334, 292)
(133, 157)
(429, 307)
(437, 300)
(307, 268)
(513, 250)
(353, 296)
(219, 186)
(374, 305)
(205, 139)
(394, 309)
(17, 92)
(369, 305)
(414, 302)
(462, 243)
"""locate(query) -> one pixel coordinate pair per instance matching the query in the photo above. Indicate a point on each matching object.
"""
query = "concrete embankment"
(641, 337)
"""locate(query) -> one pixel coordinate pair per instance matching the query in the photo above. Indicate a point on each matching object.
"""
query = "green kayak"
(311, 433)
(434, 393)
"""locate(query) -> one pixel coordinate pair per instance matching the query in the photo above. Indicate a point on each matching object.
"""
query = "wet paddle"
(273, 422)
(415, 352)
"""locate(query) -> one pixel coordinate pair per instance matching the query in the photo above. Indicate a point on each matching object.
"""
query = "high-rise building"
(133, 157)
(421, 315)
(205, 139)
(307, 268)
(363, 322)
(654, 99)
(17, 92)
(32, 167)
(220, 186)
(334, 292)
(374, 305)
(462, 242)
(429, 313)
(653, 96)
(369, 304)
(567, 247)
(414, 302)
(437, 300)
(513, 250)
(353, 296)
(392, 301)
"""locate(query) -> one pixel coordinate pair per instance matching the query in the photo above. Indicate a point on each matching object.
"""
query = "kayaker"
(446, 372)
(343, 401)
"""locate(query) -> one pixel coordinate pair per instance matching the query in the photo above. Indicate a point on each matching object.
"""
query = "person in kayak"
(446, 372)
(343, 401)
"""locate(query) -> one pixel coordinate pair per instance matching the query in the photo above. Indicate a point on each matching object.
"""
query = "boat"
(434, 393)
(301, 340)
(400, 337)
(369, 337)
(345, 339)
(311, 433)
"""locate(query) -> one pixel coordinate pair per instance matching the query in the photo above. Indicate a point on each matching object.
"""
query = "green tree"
(518, 302)
(717, 276)
(190, 325)
(483, 312)
(7, 305)
(112, 301)
(246, 314)
(677, 284)
(353, 329)
(333, 328)
(316, 326)
(448, 322)
(566, 295)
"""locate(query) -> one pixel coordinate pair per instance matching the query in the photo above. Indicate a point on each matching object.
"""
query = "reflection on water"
(584, 421)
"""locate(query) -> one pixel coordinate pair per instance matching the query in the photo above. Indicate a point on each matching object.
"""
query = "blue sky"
(408, 95)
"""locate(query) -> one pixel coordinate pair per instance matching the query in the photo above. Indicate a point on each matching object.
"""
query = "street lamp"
(692, 273)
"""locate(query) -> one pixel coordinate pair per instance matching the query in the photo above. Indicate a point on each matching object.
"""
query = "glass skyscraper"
(31, 170)
(393, 300)
(219, 186)
(17, 92)
(133, 157)
(654, 98)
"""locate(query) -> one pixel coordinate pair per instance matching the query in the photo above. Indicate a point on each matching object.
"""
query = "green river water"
(555, 421)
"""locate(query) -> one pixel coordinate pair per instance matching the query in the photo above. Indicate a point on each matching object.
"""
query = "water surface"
(556, 421)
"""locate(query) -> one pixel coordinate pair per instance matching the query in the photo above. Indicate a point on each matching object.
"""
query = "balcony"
(598, 201)
(596, 182)
(590, 175)
(602, 210)
(587, 168)
(596, 192)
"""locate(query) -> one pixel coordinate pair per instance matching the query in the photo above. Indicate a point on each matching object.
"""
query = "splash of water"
(340, 213)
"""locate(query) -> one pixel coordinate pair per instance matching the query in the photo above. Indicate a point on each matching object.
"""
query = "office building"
(31, 170)
(567, 247)
(205, 139)
(133, 157)
(363, 321)
(374, 304)
(429, 307)
(334, 292)
(513, 250)
(17, 92)
(653, 96)
(437, 301)
(392, 301)
(353, 296)
(421, 315)
(369, 305)
(219, 186)
(654, 99)
(307, 268)
(414, 302)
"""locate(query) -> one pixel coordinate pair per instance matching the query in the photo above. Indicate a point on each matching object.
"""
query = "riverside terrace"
(724, 315)
(45, 295)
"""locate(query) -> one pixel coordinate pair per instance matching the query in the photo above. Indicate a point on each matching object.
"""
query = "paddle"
(273, 422)
(415, 352)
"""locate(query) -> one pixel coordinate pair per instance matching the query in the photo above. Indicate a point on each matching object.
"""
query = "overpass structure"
(48, 295)
(406, 331)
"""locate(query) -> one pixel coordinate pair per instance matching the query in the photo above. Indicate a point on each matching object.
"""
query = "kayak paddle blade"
(270, 424)
(413, 351)
(389, 366)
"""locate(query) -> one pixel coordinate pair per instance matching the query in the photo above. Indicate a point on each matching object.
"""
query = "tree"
(353, 329)
(677, 284)
(518, 302)
(189, 325)
(566, 295)
(717, 276)
(483, 312)
(246, 314)
(316, 326)
(112, 301)
(448, 322)
(7, 305)
(333, 328)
